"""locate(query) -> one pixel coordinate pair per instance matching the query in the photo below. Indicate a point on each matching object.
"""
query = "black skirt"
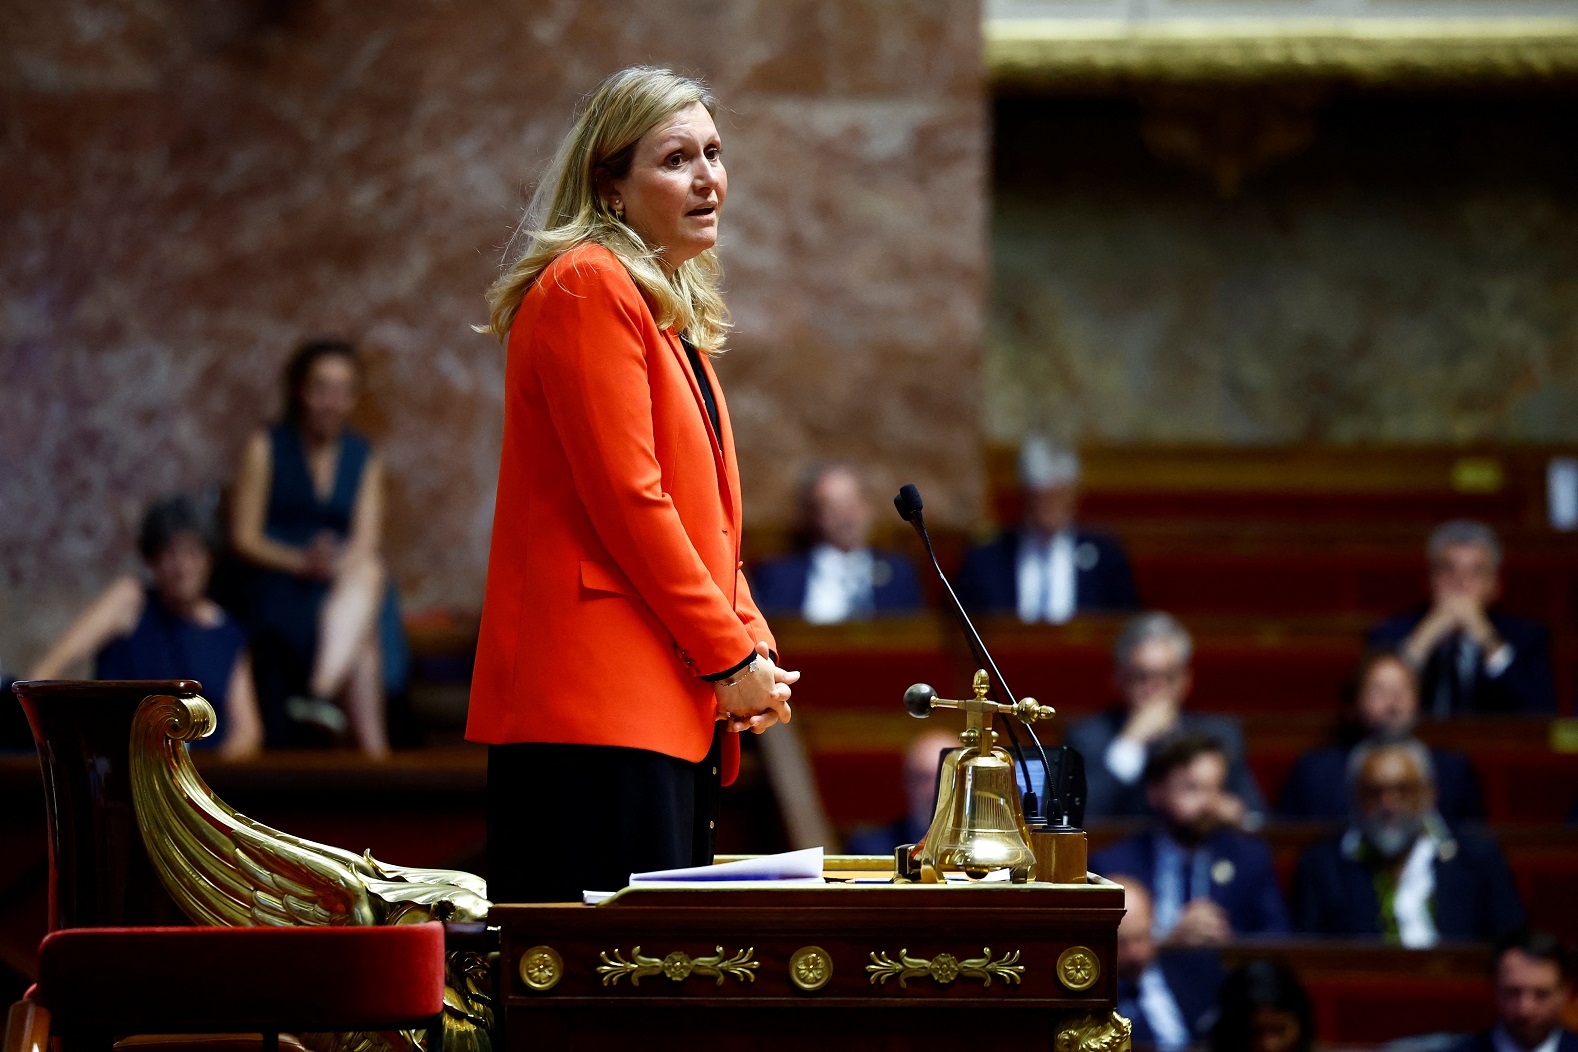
(564, 819)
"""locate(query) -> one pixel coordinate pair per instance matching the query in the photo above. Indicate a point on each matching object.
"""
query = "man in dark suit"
(1209, 882)
(1169, 996)
(1382, 699)
(1151, 660)
(1533, 984)
(1048, 569)
(836, 576)
(1471, 657)
(1398, 871)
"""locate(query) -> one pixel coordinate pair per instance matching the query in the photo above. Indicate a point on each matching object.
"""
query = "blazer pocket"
(599, 581)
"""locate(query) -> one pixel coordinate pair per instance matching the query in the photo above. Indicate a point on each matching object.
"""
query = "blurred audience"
(308, 515)
(1168, 996)
(168, 628)
(1209, 881)
(1532, 973)
(835, 575)
(1263, 1008)
(1382, 698)
(1048, 569)
(1397, 871)
(1471, 657)
(921, 763)
(1151, 659)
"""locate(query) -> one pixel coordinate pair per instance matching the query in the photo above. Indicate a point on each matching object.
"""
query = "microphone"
(911, 510)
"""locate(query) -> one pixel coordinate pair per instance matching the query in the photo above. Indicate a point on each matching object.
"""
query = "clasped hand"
(1451, 613)
(757, 699)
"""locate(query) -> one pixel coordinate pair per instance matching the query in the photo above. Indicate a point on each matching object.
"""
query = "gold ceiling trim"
(1029, 52)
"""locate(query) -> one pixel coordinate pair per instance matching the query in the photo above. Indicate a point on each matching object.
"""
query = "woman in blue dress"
(307, 513)
(168, 628)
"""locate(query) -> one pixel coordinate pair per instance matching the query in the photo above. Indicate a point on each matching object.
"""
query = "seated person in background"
(1169, 997)
(836, 576)
(308, 515)
(1383, 698)
(169, 629)
(1533, 979)
(1048, 569)
(1263, 1008)
(1471, 658)
(1151, 663)
(1209, 881)
(1397, 871)
(921, 762)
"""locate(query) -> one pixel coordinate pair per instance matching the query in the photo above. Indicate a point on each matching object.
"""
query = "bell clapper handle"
(922, 698)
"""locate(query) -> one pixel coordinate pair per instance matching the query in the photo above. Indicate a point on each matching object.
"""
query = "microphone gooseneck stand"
(910, 508)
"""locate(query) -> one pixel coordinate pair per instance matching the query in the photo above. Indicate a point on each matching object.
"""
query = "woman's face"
(1387, 698)
(181, 570)
(328, 396)
(675, 188)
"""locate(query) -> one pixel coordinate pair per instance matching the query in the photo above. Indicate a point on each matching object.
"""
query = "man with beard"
(1533, 983)
(1398, 871)
(1208, 880)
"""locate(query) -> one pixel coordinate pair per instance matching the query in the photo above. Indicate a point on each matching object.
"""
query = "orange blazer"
(614, 578)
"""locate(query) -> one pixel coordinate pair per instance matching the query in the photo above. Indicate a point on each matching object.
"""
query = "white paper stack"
(801, 868)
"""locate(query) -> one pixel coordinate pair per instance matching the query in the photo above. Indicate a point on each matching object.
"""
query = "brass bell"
(978, 826)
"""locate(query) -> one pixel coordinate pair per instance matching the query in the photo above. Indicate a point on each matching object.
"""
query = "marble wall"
(1407, 273)
(187, 189)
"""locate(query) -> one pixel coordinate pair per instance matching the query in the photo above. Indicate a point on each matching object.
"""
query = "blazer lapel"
(727, 483)
(723, 445)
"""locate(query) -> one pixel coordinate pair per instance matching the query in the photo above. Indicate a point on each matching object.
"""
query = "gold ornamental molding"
(810, 968)
(541, 968)
(677, 966)
(226, 870)
(945, 968)
(1078, 968)
(1048, 52)
(1093, 1034)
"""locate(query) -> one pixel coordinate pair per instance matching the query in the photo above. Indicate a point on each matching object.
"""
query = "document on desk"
(801, 868)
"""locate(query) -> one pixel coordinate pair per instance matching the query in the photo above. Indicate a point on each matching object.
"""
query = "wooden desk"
(661, 968)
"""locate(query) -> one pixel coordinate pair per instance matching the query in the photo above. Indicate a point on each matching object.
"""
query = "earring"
(619, 210)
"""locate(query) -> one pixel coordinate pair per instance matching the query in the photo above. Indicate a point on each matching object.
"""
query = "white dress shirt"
(1046, 578)
(838, 585)
(1168, 1025)
(1416, 886)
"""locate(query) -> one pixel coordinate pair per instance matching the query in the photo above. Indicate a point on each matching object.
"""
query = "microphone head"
(908, 502)
(918, 700)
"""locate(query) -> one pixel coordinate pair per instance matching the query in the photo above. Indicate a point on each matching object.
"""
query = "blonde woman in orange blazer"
(620, 651)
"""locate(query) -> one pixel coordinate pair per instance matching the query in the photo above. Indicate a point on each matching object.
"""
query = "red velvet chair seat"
(171, 980)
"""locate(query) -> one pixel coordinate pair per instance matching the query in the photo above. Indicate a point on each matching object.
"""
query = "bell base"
(1062, 855)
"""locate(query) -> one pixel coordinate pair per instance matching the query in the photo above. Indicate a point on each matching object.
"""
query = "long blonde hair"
(566, 210)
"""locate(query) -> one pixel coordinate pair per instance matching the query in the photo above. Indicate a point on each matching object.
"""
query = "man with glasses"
(1151, 671)
(1398, 871)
